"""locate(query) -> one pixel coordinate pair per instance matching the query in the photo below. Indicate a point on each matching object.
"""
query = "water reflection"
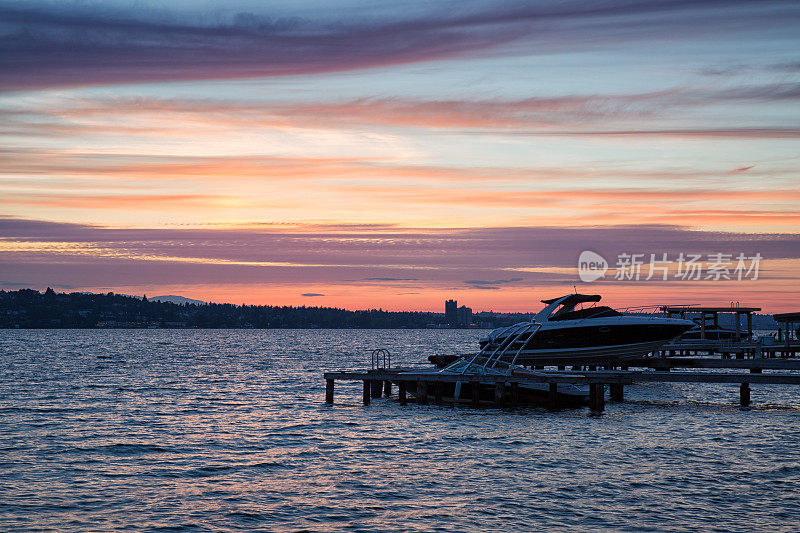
(227, 430)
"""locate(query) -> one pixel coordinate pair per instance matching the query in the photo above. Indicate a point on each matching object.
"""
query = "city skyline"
(397, 156)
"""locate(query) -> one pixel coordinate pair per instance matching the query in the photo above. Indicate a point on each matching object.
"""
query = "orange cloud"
(137, 201)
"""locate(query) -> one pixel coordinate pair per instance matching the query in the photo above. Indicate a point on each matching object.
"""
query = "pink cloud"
(741, 169)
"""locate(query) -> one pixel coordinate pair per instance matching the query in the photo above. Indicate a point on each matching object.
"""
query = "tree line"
(28, 308)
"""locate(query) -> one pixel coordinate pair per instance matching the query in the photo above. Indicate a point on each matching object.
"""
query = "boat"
(563, 332)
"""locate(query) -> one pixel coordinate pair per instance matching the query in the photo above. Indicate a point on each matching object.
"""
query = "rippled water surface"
(159, 430)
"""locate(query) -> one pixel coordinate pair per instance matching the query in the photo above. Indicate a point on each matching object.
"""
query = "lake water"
(227, 430)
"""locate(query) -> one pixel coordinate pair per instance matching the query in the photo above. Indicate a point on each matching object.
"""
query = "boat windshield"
(600, 311)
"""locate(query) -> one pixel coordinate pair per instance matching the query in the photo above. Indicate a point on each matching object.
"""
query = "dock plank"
(582, 378)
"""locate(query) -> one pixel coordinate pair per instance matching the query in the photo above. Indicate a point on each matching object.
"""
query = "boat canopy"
(563, 305)
(574, 299)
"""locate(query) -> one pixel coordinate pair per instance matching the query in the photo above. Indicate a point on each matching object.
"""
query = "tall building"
(451, 312)
(464, 316)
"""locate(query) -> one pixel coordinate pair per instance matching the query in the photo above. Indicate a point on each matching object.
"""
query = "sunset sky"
(395, 154)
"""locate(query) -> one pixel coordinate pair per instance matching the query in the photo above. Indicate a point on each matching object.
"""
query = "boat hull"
(604, 339)
(594, 353)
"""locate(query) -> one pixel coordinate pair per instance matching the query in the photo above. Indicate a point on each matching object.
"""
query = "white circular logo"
(591, 266)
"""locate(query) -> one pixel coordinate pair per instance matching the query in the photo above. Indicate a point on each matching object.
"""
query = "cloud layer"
(446, 253)
(51, 45)
(394, 153)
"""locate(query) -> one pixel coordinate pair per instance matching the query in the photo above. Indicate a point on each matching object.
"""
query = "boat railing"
(525, 344)
(508, 342)
(622, 310)
(492, 353)
(640, 309)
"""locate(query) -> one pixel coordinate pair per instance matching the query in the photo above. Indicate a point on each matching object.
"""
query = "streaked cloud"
(274, 265)
(50, 45)
(493, 282)
(435, 248)
(390, 279)
(577, 114)
(742, 169)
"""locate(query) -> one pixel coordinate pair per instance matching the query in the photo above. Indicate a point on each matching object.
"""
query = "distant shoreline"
(31, 309)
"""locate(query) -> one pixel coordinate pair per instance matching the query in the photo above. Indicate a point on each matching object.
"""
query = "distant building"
(464, 316)
(457, 317)
(451, 312)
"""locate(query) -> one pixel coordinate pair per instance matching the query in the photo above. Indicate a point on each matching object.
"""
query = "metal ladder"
(380, 359)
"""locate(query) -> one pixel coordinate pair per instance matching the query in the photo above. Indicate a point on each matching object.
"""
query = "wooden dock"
(730, 349)
(428, 384)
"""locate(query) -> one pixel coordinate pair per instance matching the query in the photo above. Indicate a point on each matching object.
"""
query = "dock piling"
(597, 399)
(499, 390)
(437, 392)
(744, 394)
(367, 387)
(387, 388)
(377, 388)
(422, 392)
(475, 387)
(514, 393)
(617, 392)
(329, 390)
(552, 396)
(401, 393)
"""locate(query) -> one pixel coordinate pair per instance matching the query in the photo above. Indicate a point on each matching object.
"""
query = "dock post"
(744, 394)
(422, 392)
(499, 390)
(514, 393)
(328, 391)
(387, 388)
(401, 392)
(475, 388)
(552, 396)
(377, 388)
(617, 392)
(437, 392)
(367, 388)
(597, 400)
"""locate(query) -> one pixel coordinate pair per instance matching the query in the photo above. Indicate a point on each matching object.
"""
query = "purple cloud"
(48, 45)
(484, 256)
